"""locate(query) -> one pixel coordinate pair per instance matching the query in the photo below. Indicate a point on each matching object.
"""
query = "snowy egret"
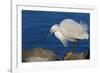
(69, 30)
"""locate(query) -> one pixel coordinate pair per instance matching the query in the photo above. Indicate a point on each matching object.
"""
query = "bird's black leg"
(75, 43)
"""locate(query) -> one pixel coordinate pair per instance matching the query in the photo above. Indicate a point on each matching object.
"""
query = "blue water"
(36, 26)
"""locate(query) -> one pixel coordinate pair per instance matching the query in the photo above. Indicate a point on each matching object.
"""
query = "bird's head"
(53, 29)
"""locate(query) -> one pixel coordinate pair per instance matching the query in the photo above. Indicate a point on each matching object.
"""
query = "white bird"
(69, 30)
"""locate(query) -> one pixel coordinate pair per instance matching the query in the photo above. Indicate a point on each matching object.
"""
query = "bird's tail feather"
(84, 25)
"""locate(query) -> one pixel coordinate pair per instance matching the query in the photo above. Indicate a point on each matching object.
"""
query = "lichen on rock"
(74, 56)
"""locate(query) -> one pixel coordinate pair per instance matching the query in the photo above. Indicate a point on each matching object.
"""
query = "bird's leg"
(75, 43)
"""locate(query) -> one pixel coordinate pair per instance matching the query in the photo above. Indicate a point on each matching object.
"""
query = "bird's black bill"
(49, 35)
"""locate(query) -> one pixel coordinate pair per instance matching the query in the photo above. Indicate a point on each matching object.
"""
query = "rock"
(39, 54)
(74, 56)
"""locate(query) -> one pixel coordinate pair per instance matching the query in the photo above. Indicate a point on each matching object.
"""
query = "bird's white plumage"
(70, 30)
(62, 38)
(73, 29)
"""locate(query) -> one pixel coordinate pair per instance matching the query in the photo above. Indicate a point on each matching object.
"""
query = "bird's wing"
(71, 28)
